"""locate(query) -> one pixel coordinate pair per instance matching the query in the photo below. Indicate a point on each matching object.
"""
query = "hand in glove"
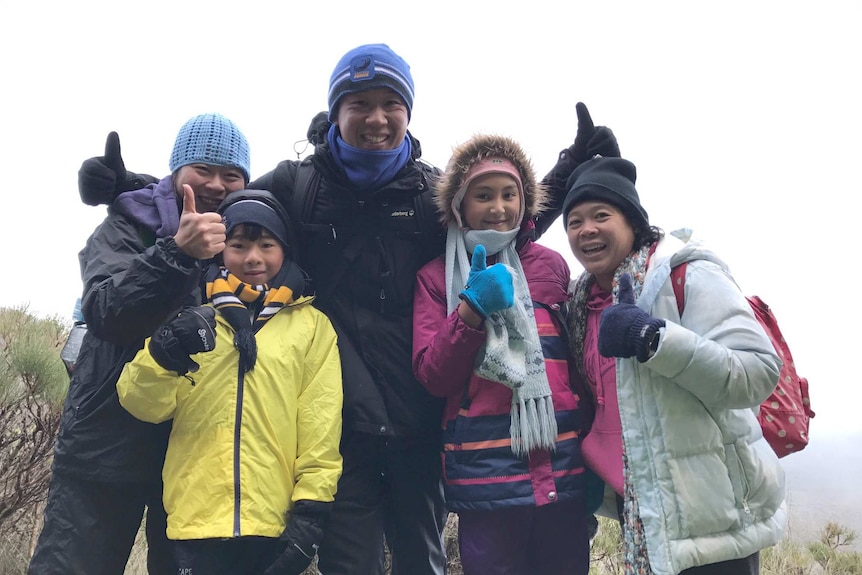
(102, 178)
(191, 331)
(589, 141)
(302, 535)
(318, 129)
(488, 289)
(625, 330)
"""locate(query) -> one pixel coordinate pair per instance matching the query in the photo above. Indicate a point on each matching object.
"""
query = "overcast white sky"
(743, 118)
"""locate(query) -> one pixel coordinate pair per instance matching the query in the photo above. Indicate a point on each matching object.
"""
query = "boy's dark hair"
(248, 231)
(264, 197)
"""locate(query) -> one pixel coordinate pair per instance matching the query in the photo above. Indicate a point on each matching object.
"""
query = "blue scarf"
(368, 169)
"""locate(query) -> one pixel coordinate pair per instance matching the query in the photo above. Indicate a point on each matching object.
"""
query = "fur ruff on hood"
(476, 149)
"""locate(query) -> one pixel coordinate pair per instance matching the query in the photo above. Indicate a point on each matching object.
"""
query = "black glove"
(102, 178)
(318, 129)
(302, 535)
(191, 331)
(625, 330)
(589, 141)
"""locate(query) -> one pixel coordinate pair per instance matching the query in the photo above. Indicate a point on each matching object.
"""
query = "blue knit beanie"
(211, 139)
(370, 66)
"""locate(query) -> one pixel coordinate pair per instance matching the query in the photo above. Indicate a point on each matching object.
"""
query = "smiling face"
(210, 183)
(492, 202)
(374, 119)
(600, 237)
(253, 261)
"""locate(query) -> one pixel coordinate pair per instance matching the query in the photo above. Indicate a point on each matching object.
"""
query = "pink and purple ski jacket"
(480, 470)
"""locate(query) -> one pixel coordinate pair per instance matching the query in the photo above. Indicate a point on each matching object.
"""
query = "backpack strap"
(677, 280)
(305, 186)
(432, 231)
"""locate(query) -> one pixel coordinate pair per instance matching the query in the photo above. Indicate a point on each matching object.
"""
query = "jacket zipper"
(236, 452)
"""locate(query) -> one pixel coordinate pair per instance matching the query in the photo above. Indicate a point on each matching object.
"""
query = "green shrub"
(33, 383)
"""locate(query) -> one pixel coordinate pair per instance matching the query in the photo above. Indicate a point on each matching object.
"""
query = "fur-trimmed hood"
(478, 148)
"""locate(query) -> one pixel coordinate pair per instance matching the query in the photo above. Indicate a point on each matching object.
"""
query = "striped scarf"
(236, 301)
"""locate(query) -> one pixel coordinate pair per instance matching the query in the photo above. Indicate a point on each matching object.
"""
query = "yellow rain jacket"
(244, 447)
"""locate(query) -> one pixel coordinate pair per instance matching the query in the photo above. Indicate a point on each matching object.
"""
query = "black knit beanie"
(609, 180)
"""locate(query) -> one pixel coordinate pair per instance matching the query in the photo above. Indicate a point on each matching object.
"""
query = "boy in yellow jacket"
(252, 382)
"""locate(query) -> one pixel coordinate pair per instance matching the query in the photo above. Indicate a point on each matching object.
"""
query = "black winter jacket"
(363, 253)
(129, 290)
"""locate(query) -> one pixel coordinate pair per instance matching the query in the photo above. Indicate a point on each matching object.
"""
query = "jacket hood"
(476, 149)
(154, 207)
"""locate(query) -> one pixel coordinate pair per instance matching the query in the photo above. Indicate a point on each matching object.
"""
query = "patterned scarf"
(634, 540)
(512, 354)
(236, 301)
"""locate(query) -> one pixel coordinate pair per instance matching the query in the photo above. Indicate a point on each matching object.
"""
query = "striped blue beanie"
(254, 211)
(370, 66)
(211, 139)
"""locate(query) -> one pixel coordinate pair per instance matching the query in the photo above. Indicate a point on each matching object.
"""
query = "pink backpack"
(785, 414)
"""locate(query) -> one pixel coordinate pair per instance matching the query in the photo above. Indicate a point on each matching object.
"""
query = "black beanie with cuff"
(609, 180)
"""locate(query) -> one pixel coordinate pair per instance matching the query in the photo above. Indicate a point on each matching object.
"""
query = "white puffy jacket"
(708, 485)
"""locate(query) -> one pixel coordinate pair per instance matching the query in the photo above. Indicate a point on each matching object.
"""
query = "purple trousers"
(551, 539)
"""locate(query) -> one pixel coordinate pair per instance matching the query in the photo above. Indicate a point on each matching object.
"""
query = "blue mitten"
(488, 289)
(625, 330)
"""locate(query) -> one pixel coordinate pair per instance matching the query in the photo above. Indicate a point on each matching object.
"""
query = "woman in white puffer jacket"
(675, 437)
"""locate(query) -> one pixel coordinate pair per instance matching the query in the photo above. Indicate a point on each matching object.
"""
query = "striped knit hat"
(211, 139)
(366, 67)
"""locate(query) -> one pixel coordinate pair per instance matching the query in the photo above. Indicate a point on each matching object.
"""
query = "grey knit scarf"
(512, 354)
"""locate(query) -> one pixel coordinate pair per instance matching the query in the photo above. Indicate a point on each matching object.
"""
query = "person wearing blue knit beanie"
(139, 267)
(366, 67)
(214, 140)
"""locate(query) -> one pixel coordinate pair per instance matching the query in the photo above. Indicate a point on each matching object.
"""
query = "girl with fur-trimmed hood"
(488, 338)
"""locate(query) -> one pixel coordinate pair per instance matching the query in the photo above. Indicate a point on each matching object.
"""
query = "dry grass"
(786, 558)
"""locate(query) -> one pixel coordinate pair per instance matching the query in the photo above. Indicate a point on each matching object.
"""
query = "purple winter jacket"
(480, 470)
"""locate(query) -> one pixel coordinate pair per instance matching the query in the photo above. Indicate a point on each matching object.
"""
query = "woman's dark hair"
(646, 235)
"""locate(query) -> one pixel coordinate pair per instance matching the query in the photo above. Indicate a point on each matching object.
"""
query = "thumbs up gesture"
(625, 330)
(101, 178)
(589, 141)
(201, 236)
(488, 289)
